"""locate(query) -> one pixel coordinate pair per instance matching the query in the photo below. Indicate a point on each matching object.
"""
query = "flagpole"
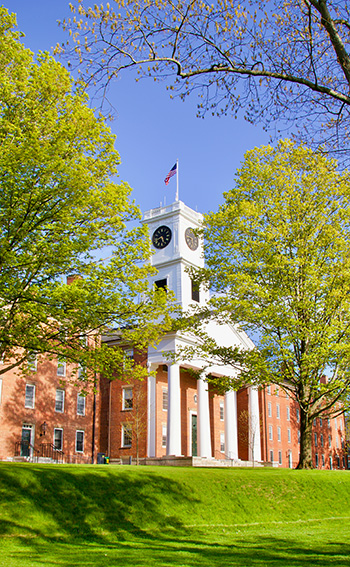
(177, 180)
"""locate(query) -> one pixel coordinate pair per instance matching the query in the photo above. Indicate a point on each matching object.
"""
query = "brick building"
(42, 415)
(180, 413)
(172, 413)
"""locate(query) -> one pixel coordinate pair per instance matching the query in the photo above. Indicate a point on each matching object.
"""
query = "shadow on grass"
(264, 552)
(86, 503)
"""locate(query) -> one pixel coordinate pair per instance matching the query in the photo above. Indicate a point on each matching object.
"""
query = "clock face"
(191, 239)
(161, 237)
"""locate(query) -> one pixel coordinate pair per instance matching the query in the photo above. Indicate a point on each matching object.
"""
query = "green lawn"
(127, 516)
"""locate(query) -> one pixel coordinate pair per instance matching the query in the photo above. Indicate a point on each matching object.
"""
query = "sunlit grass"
(129, 516)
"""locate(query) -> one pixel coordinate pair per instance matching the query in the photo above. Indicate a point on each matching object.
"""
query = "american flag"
(170, 174)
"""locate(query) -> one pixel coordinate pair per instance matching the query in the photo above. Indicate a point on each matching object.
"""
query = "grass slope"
(128, 516)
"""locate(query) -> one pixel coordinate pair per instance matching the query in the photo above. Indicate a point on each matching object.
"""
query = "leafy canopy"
(59, 209)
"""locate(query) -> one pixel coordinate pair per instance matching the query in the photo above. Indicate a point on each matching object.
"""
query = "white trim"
(76, 438)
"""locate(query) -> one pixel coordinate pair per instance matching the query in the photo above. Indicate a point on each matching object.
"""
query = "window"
(222, 442)
(316, 460)
(164, 433)
(79, 441)
(161, 284)
(59, 403)
(298, 414)
(288, 413)
(279, 457)
(341, 424)
(81, 404)
(270, 433)
(268, 389)
(194, 291)
(289, 436)
(328, 422)
(321, 439)
(269, 409)
(165, 399)
(322, 457)
(277, 411)
(126, 435)
(222, 411)
(61, 368)
(278, 434)
(314, 422)
(330, 463)
(320, 421)
(290, 460)
(81, 372)
(29, 399)
(32, 362)
(127, 398)
(315, 438)
(58, 439)
(271, 456)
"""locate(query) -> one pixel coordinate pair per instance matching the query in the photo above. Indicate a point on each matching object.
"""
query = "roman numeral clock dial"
(161, 237)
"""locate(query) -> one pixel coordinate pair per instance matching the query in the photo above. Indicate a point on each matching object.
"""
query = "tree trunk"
(305, 459)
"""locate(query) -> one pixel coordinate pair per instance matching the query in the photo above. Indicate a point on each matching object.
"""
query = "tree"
(278, 262)
(59, 210)
(248, 430)
(276, 60)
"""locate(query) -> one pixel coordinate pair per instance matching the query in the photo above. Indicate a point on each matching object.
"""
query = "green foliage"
(278, 259)
(164, 516)
(59, 210)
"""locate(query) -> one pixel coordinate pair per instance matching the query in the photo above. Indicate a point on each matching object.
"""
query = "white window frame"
(271, 455)
(165, 399)
(125, 427)
(270, 433)
(280, 457)
(222, 411)
(61, 368)
(269, 409)
(127, 400)
(32, 362)
(298, 414)
(164, 435)
(76, 440)
(289, 435)
(58, 401)
(268, 389)
(278, 433)
(81, 398)
(54, 442)
(31, 404)
(278, 411)
(222, 442)
(288, 413)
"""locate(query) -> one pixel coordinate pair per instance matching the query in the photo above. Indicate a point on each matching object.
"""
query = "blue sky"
(152, 130)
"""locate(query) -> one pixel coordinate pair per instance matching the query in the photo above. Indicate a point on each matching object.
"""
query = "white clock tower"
(176, 250)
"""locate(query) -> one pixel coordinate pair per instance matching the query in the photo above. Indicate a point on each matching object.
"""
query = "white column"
(173, 446)
(231, 436)
(151, 412)
(254, 424)
(203, 423)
